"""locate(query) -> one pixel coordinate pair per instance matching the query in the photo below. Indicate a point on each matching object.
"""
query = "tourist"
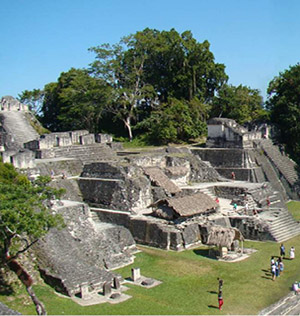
(217, 200)
(234, 206)
(220, 284)
(281, 265)
(233, 175)
(268, 202)
(52, 174)
(277, 272)
(273, 271)
(282, 251)
(296, 288)
(272, 261)
(292, 253)
(220, 300)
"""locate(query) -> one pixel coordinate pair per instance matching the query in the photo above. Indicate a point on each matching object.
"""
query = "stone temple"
(173, 198)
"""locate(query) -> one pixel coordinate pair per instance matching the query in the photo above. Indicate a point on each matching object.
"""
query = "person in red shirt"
(220, 300)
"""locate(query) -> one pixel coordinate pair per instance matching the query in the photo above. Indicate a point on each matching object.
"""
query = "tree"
(24, 218)
(176, 121)
(76, 101)
(284, 105)
(150, 66)
(240, 103)
(179, 66)
(123, 70)
(32, 98)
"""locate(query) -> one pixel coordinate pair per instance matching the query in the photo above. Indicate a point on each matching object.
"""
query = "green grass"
(189, 285)
(294, 209)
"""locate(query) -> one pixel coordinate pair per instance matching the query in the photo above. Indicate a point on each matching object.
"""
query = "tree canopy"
(284, 106)
(240, 103)
(138, 84)
(24, 214)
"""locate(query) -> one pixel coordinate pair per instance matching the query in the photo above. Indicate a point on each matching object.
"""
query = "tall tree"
(240, 103)
(284, 105)
(122, 66)
(24, 218)
(76, 101)
(176, 121)
(151, 65)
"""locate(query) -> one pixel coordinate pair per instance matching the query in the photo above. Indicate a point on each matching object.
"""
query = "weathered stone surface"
(106, 288)
(78, 254)
(5, 310)
(191, 234)
(148, 282)
(118, 187)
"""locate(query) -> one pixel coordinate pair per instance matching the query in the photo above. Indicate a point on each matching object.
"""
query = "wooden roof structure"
(190, 205)
(158, 177)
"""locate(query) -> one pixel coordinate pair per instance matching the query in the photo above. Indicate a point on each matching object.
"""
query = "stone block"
(135, 274)
(87, 139)
(116, 283)
(191, 234)
(84, 290)
(176, 242)
(75, 136)
(64, 141)
(107, 289)
(103, 138)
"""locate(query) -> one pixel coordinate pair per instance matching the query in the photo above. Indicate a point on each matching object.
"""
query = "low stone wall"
(242, 174)
(220, 157)
(251, 228)
(154, 232)
(229, 192)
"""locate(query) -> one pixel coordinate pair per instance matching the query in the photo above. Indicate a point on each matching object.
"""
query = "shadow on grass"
(265, 277)
(212, 292)
(203, 253)
(213, 306)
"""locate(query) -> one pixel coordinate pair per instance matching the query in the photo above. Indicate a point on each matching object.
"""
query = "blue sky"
(255, 39)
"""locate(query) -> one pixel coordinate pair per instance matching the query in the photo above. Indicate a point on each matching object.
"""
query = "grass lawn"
(294, 209)
(189, 285)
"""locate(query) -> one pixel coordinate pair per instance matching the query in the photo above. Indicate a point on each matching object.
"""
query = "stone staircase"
(282, 225)
(85, 153)
(209, 191)
(16, 124)
(271, 174)
(284, 164)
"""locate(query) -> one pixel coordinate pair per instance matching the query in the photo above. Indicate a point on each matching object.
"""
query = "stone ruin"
(164, 198)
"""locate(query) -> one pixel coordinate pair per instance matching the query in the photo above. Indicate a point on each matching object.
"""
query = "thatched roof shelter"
(220, 236)
(189, 205)
(158, 177)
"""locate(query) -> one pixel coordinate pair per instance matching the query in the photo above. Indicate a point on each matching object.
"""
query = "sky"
(40, 39)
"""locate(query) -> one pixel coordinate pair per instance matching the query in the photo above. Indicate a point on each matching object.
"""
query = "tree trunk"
(39, 306)
(128, 126)
(26, 279)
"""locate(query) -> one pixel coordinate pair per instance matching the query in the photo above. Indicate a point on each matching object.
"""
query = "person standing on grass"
(292, 253)
(272, 262)
(282, 250)
(273, 271)
(281, 266)
(220, 284)
(220, 300)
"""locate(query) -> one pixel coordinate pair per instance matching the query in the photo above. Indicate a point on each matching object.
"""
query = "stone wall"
(117, 187)
(153, 231)
(220, 157)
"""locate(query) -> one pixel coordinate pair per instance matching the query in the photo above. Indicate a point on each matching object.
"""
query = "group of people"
(277, 266)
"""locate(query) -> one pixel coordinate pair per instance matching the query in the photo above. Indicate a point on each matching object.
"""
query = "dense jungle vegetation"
(160, 87)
